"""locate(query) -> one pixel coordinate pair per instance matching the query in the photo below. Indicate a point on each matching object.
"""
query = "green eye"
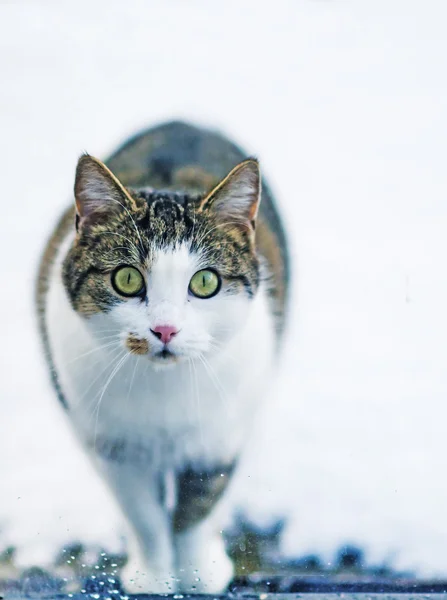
(128, 281)
(205, 284)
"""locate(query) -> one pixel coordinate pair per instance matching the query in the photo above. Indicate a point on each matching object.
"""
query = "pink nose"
(165, 333)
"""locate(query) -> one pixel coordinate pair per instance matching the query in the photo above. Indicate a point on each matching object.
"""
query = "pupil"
(128, 278)
(204, 280)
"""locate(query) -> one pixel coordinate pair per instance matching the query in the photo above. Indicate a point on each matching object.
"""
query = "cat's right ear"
(97, 190)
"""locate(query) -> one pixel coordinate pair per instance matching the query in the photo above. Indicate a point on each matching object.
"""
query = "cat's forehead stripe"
(167, 217)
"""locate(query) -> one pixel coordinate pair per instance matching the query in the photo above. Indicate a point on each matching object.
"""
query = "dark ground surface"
(38, 584)
(261, 573)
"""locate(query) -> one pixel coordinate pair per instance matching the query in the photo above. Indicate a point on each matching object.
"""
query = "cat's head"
(172, 275)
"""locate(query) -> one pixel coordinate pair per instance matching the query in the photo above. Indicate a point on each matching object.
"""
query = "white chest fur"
(197, 412)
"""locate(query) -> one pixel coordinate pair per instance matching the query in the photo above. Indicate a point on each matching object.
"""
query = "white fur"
(193, 413)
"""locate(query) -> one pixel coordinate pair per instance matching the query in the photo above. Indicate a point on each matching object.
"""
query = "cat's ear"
(97, 190)
(236, 198)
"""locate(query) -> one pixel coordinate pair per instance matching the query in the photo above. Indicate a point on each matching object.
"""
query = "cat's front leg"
(138, 491)
(202, 562)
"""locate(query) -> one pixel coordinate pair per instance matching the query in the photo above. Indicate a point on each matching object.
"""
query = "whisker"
(197, 395)
(92, 383)
(103, 347)
(108, 336)
(208, 232)
(137, 255)
(215, 380)
(191, 403)
(135, 225)
(111, 376)
(120, 248)
(132, 378)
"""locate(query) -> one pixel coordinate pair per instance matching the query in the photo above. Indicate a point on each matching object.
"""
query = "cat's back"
(184, 157)
(175, 155)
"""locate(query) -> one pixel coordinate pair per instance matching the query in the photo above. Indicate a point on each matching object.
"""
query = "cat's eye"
(205, 284)
(128, 281)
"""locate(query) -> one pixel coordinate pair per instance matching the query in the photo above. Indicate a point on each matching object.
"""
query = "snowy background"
(344, 101)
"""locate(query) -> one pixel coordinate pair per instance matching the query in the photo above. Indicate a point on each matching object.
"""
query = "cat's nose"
(165, 333)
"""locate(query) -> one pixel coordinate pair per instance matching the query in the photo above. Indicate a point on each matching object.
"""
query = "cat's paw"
(209, 570)
(137, 578)
(140, 577)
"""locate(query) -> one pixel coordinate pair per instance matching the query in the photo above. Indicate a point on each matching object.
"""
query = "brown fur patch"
(136, 345)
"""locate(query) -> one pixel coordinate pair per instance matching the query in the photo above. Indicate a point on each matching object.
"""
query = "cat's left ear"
(97, 190)
(236, 198)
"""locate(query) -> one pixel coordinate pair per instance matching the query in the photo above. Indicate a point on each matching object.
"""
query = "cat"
(162, 298)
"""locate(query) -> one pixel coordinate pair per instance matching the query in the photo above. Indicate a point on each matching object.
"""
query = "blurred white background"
(344, 102)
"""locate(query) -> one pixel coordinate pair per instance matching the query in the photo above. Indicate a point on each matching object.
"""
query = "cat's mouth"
(164, 357)
(140, 346)
(164, 354)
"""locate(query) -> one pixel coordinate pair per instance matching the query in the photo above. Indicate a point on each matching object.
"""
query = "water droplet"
(197, 579)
